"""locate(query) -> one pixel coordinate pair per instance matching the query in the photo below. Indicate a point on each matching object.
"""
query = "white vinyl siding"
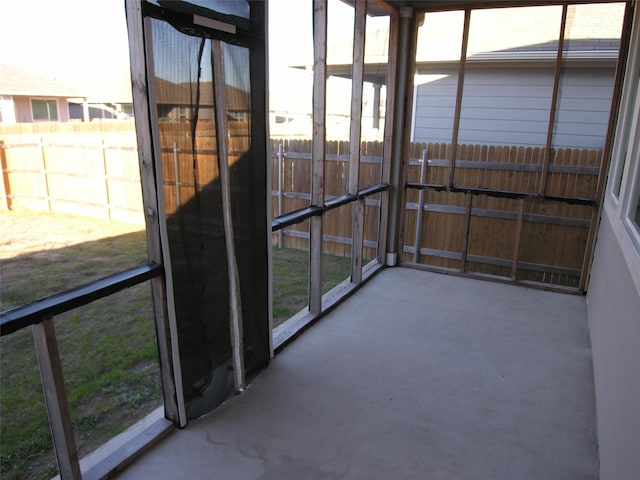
(511, 107)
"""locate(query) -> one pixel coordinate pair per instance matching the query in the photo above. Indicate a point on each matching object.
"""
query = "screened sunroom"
(453, 188)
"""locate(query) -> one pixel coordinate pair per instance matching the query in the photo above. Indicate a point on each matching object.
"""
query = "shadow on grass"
(108, 350)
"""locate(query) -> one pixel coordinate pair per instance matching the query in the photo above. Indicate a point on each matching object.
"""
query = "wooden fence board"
(88, 165)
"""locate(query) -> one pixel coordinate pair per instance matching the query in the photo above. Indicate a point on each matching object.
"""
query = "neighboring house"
(509, 75)
(177, 101)
(101, 111)
(26, 97)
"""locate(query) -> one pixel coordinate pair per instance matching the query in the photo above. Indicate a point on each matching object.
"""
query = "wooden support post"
(623, 69)
(387, 147)
(586, 261)
(176, 167)
(357, 77)
(151, 178)
(357, 240)
(376, 106)
(554, 103)
(420, 213)
(280, 189)
(45, 177)
(405, 67)
(55, 397)
(318, 151)
(460, 89)
(518, 234)
(105, 171)
(609, 150)
(465, 238)
(235, 300)
(5, 185)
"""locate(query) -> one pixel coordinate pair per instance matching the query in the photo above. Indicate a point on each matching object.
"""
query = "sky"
(80, 42)
(85, 43)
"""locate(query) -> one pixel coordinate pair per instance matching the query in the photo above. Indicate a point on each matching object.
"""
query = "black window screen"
(216, 236)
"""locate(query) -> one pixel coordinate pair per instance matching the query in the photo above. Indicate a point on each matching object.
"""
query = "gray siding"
(511, 107)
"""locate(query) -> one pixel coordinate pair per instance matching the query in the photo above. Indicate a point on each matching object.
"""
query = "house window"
(44, 110)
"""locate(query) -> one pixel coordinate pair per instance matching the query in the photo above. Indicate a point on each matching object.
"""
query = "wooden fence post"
(176, 167)
(45, 177)
(106, 179)
(423, 179)
(5, 185)
(467, 227)
(280, 193)
(516, 247)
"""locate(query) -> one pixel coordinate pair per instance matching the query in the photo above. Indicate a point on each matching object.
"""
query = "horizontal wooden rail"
(70, 146)
(500, 262)
(330, 157)
(498, 193)
(483, 212)
(511, 167)
(329, 238)
(30, 314)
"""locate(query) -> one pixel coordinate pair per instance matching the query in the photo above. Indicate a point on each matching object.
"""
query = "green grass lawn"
(108, 347)
(291, 275)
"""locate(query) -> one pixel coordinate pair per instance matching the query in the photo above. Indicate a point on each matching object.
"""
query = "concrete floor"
(418, 375)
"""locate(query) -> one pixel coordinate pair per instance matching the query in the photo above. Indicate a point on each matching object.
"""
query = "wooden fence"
(91, 171)
(494, 222)
(291, 190)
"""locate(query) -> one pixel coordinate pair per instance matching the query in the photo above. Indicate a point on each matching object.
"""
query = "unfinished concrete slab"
(418, 375)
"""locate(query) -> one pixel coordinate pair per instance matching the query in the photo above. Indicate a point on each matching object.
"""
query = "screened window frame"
(355, 195)
(623, 189)
(541, 190)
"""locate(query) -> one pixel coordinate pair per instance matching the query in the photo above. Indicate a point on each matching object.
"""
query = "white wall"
(511, 107)
(613, 306)
(7, 108)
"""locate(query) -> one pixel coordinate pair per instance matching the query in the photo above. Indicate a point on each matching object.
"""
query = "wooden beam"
(358, 240)
(517, 240)
(420, 215)
(608, 150)
(392, 66)
(354, 138)
(318, 151)
(45, 177)
(465, 238)
(459, 92)
(151, 180)
(5, 185)
(46, 344)
(554, 103)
